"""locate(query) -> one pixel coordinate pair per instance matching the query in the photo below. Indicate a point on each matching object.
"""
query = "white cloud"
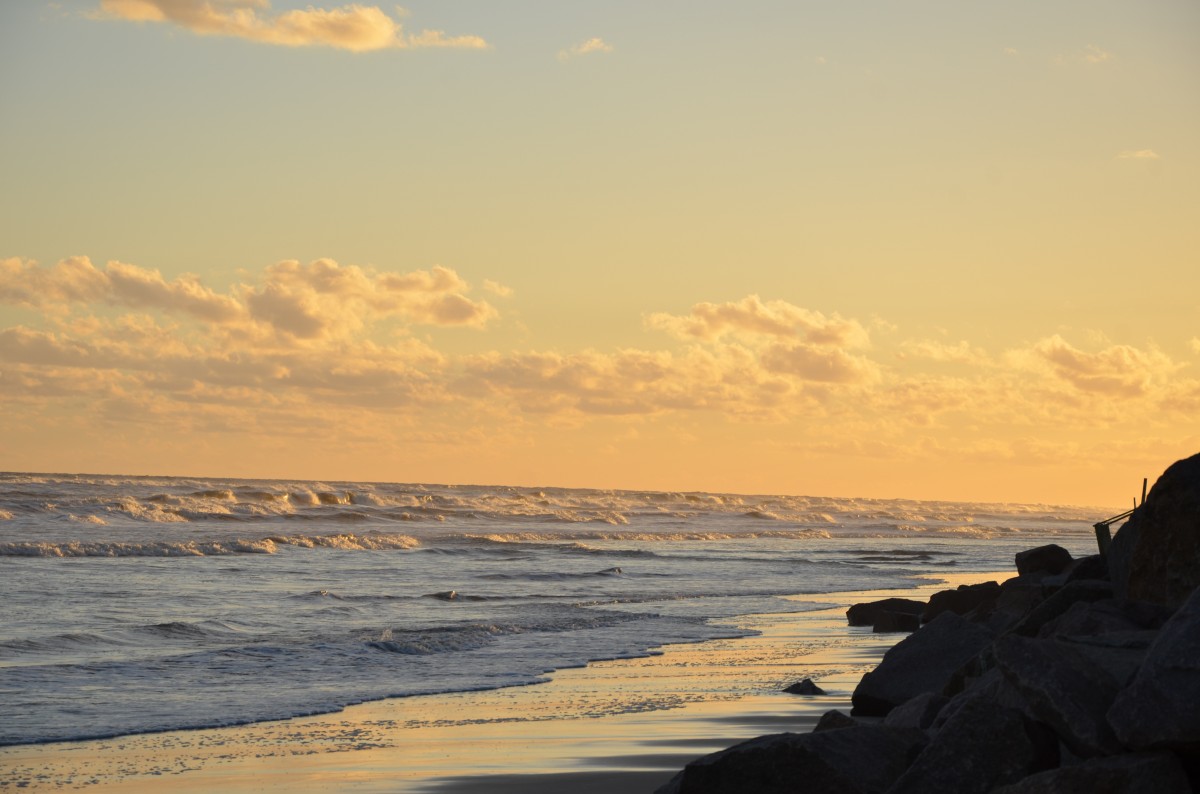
(593, 46)
(354, 27)
(1138, 154)
(752, 318)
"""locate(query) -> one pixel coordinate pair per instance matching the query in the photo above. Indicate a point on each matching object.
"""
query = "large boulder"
(1060, 601)
(1051, 559)
(1161, 708)
(962, 600)
(981, 746)
(867, 613)
(1063, 689)
(921, 662)
(1163, 564)
(1135, 773)
(855, 760)
(919, 712)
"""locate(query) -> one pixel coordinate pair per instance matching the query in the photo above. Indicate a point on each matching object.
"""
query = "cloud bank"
(122, 350)
(354, 27)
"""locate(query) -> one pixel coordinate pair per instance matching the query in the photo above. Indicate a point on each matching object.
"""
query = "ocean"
(138, 604)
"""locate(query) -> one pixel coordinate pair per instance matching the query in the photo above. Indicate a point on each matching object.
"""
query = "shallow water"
(137, 604)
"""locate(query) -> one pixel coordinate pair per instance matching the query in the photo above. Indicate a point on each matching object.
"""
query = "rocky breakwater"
(1074, 676)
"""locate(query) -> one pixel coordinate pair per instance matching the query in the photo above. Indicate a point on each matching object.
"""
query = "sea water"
(136, 604)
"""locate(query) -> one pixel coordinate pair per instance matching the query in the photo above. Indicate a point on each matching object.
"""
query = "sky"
(893, 248)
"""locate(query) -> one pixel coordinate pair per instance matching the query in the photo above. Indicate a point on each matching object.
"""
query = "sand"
(624, 725)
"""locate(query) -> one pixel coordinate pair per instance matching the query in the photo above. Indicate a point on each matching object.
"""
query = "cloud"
(288, 303)
(752, 318)
(1011, 51)
(1138, 154)
(1094, 54)
(1116, 371)
(962, 352)
(354, 27)
(593, 46)
(1195, 344)
(499, 290)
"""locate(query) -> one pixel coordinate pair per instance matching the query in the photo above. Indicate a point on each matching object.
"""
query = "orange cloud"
(751, 317)
(353, 27)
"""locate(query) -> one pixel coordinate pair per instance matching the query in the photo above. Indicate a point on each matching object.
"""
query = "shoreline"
(620, 724)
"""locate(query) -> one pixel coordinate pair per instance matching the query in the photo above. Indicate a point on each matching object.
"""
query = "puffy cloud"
(962, 352)
(77, 280)
(354, 27)
(290, 303)
(1116, 371)
(592, 46)
(1138, 154)
(751, 317)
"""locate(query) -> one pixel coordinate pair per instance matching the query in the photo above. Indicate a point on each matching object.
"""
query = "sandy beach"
(615, 725)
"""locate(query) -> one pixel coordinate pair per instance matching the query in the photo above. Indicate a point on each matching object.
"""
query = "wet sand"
(625, 725)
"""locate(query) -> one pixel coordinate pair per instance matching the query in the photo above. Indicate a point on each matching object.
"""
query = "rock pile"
(1073, 676)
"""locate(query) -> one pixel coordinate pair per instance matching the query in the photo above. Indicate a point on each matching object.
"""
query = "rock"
(1120, 557)
(866, 614)
(1052, 559)
(1135, 773)
(856, 760)
(1062, 689)
(982, 746)
(1059, 602)
(888, 621)
(1119, 653)
(922, 662)
(966, 598)
(805, 687)
(1164, 566)
(833, 720)
(1093, 567)
(1104, 617)
(1161, 708)
(919, 712)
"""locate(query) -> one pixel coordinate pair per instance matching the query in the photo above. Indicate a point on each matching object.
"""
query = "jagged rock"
(1161, 708)
(1164, 563)
(805, 687)
(1063, 689)
(1134, 773)
(856, 760)
(918, 712)
(962, 600)
(1059, 602)
(1093, 567)
(1119, 653)
(865, 614)
(833, 720)
(922, 662)
(982, 746)
(1052, 559)
(1106, 616)
(888, 621)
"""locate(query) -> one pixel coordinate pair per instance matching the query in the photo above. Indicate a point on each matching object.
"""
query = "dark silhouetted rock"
(1062, 689)
(1059, 602)
(1135, 773)
(1120, 557)
(1164, 563)
(856, 760)
(833, 719)
(919, 712)
(982, 746)
(962, 600)
(805, 687)
(888, 621)
(1161, 708)
(1093, 567)
(1106, 616)
(866, 614)
(1052, 559)
(922, 662)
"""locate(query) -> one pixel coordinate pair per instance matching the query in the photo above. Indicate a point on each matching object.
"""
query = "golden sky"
(925, 249)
